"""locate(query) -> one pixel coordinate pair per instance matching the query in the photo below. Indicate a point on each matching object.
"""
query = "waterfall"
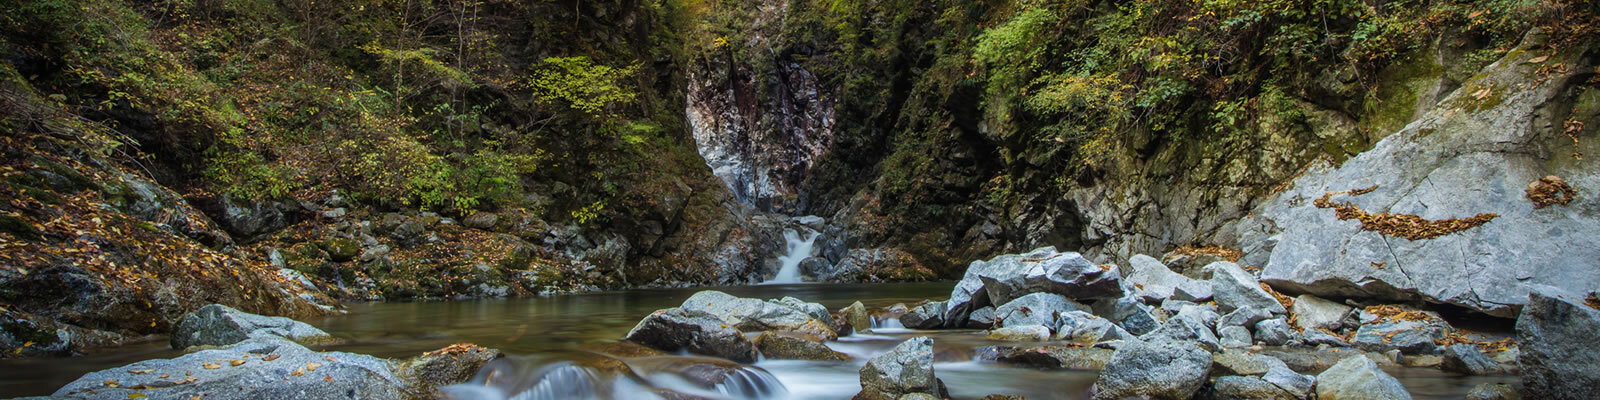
(799, 249)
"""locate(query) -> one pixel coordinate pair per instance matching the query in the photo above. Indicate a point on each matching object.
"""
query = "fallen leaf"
(111, 382)
(298, 372)
(211, 365)
(311, 366)
(269, 357)
(329, 358)
(1539, 59)
(136, 396)
(236, 362)
(327, 377)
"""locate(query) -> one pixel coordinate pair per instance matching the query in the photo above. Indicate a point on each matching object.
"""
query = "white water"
(798, 250)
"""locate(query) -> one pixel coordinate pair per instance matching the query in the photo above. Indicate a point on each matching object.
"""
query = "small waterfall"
(799, 249)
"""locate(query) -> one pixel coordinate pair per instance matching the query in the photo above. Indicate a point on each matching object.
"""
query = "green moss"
(1394, 104)
(19, 228)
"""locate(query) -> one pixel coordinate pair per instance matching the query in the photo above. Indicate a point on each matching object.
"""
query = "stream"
(553, 325)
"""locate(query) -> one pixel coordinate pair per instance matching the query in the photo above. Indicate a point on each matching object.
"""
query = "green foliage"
(582, 84)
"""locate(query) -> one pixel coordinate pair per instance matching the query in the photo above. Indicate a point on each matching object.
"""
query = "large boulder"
(757, 315)
(1312, 312)
(1035, 309)
(1047, 357)
(856, 315)
(927, 316)
(906, 369)
(1085, 328)
(1358, 378)
(1233, 288)
(1466, 359)
(1475, 154)
(1193, 323)
(967, 297)
(259, 368)
(1020, 333)
(1559, 355)
(220, 325)
(1160, 369)
(796, 346)
(1045, 270)
(698, 332)
(1154, 281)
(1129, 313)
(1410, 337)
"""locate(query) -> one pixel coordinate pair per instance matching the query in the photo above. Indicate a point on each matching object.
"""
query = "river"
(551, 324)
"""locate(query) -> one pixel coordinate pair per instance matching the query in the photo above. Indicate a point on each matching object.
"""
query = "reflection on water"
(537, 328)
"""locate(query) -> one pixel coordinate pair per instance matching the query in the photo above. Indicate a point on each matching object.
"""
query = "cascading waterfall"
(798, 249)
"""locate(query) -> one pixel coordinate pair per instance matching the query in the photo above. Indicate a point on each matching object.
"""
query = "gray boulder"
(926, 316)
(1192, 324)
(1410, 337)
(1233, 288)
(757, 315)
(856, 315)
(1155, 281)
(1233, 336)
(1046, 357)
(1084, 328)
(1314, 312)
(968, 296)
(1235, 362)
(906, 369)
(1358, 378)
(1128, 312)
(1045, 270)
(1020, 333)
(1248, 388)
(1466, 359)
(1162, 369)
(1273, 332)
(1314, 337)
(220, 325)
(1465, 157)
(795, 346)
(257, 368)
(1245, 316)
(698, 332)
(1299, 386)
(815, 310)
(1035, 309)
(982, 318)
(1559, 355)
(1493, 391)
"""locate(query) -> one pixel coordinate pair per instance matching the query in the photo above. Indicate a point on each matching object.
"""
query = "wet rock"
(1493, 391)
(1410, 337)
(1234, 362)
(1035, 309)
(1248, 388)
(698, 332)
(446, 366)
(906, 369)
(1159, 369)
(856, 314)
(1047, 357)
(1020, 333)
(1358, 378)
(1314, 312)
(1233, 288)
(1466, 359)
(1273, 332)
(926, 316)
(796, 346)
(1233, 336)
(220, 325)
(1004, 397)
(878, 265)
(755, 315)
(1084, 328)
(1299, 386)
(251, 219)
(982, 318)
(1421, 360)
(243, 370)
(1045, 270)
(1558, 353)
(815, 310)
(1154, 281)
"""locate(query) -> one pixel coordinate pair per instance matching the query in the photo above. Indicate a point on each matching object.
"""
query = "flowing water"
(797, 249)
(542, 333)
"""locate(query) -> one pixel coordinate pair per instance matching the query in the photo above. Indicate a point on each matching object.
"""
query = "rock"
(1455, 161)
(1421, 360)
(1085, 328)
(1410, 337)
(1004, 397)
(1466, 359)
(251, 219)
(1128, 312)
(243, 370)
(1314, 337)
(1358, 378)
(810, 221)
(966, 297)
(1242, 363)
(1153, 277)
(341, 249)
(1035, 309)
(926, 316)
(982, 318)
(1192, 324)
(447, 366)
(1233, 288)
(1163, 369)
(878, 265)
(621, 349)
(796, 346)
(756, 315)
(906, 369)
(220, 325)
(1557, 347)
(481, 220)
(1299, 386)
(374, 253)
(1045, 270)
(1493, 391)
(409, 233)
(856, 314)
(1248, 388)
(815, 310)
(1313, 312)
(1234, 336)
(695, 331)
(1020, 333)
(1046, 357)
(1245, 316)
(1273, 332)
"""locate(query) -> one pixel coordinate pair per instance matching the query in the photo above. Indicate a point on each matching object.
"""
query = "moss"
(1400, 87)
(19, 228)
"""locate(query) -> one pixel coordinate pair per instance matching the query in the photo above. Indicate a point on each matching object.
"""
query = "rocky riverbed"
(1152, 333)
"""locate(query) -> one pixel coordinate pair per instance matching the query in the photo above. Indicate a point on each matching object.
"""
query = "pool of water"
(541, 325)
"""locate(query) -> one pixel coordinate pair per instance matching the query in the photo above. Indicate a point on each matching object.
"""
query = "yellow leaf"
(28, 344)
(1539, 59)
(211, 365)
(236, 362)
(311, 366)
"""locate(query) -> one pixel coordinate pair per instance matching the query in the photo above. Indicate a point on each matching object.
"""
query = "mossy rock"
(341, 249)
(19, 228)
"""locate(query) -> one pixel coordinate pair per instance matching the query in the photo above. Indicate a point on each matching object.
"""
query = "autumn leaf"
(236, 362)
(327, 377)
(311, 366)
(136, 396)
(329, 358)
(269, 357)
(298, 372)
(1539, 59)
(210, 365)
